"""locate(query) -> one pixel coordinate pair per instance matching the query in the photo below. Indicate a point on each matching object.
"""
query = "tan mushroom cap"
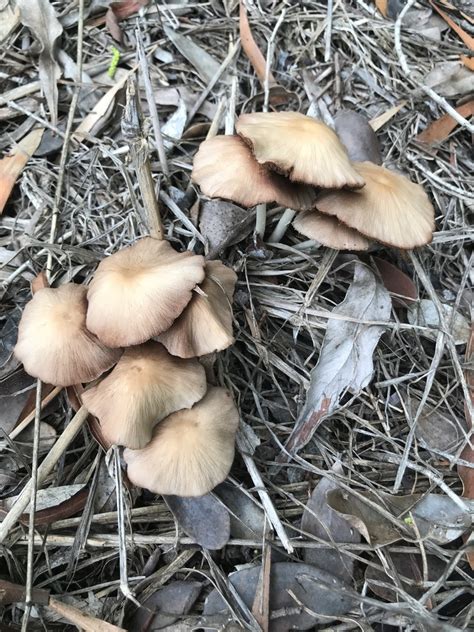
(191, 451)
(300, 147)
(329, 231)
(390, 208)
(139, 291)
(206, 323)
(53, 342)
(147, 385)
(224, 167)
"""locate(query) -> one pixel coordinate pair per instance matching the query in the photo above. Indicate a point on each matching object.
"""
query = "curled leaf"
(40, 17)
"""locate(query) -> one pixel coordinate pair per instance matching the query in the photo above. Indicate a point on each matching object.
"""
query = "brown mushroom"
(224, 167)
(299, 147)
(139, 291)
(206, 323)
(53, 342)
(389, 209)
(146, 385)
(329, 231)
(191, 451)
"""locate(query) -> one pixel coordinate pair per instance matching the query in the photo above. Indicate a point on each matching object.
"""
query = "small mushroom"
(329, 231)
(224, 167)
(389, 209)
(357, 136)
(146, 385)
(139, 291)
(191, 450)
(53, 342)
(299, 147)
(206, 323)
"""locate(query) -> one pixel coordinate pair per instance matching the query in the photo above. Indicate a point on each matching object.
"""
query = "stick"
(138, 146)
(160, 148)
(44, 469)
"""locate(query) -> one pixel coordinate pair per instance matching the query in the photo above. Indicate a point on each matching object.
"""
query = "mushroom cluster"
(148, 314)
(300, 163)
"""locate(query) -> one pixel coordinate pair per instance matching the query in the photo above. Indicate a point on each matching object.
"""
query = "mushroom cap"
(224, 167)
(329, 231)
(300, 147)
(205, 325)
(357, 136)
(53, 342)
(191, 451)
(139, 291)
(146, 385)
(390, 208)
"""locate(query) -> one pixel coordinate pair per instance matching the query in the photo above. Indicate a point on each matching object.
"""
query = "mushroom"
(329, 231)
(139, 291)
(206, 323)
(53, 342)
(390, 208)
(224, 167)
(357, 136)
(146, 385)
(191, 450)
(299, 147)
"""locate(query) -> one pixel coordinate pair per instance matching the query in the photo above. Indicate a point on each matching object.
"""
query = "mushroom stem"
(44, 469)
(283, 223)
(260, 220)
(138, 146)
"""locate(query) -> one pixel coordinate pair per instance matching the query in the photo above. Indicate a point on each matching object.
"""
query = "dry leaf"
(257, 59)
(379, 121)
(439, 432)
(450, 79)
(174, 126)
(9, 19)
(397, 283)
(247, 518)
(52, 504)
(12, 165)
(223, 224)
(298, 594)
(118, 11)
(468, 62)
(165, 606)
(437, 517)
(95, 120)
(409, 572)
(439, 130)
(326, 524)
(425, 314)
(203, 518)
(40, 17)
(345, 361)
(40, 282)
(204, 63)
(466, 38)
(389, 8)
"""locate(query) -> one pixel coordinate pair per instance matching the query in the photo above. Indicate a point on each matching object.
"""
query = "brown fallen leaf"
(11, 166)
(69, 501)
(396, 282)
(379, 121)
(466, 38)
(119, 11)
(40, 17)
(40, 282)
(257, 59)
(389, 8)
(466, 474)
(439, 130)
(467, 61)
